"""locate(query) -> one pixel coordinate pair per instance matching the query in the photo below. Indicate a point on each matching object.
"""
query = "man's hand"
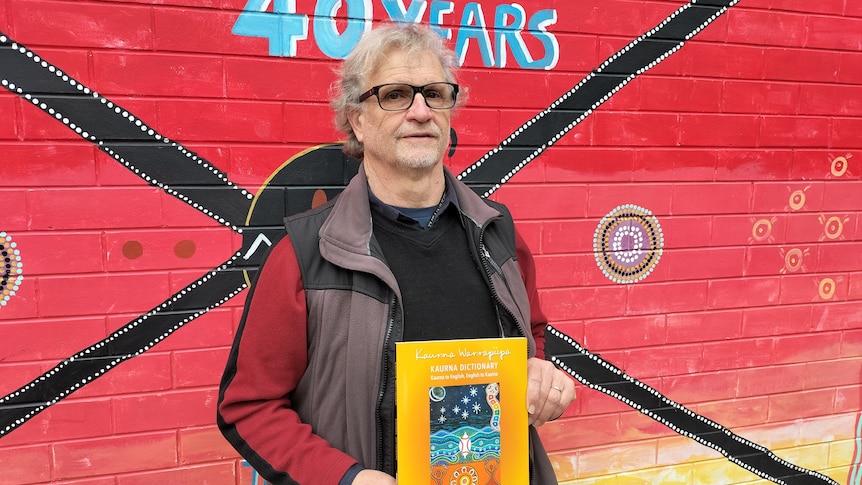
(549, 391)
(373, 477)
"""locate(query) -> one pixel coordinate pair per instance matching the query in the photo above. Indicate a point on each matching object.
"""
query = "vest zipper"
(384, 378)
(487, 261)
(533, 478)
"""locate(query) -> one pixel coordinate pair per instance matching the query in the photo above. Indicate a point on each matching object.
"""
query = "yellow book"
(462, 412)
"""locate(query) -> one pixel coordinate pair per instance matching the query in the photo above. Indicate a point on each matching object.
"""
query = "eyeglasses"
(400, 96)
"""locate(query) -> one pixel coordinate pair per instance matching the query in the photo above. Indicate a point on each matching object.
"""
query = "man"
(405, 252)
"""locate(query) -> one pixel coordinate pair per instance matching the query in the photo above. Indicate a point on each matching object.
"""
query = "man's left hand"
(549, 391)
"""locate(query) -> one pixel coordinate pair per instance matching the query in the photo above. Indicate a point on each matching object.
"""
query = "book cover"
(462, 412)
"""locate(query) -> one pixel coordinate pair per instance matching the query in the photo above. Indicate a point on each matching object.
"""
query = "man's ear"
(453, 141)
(356, 119)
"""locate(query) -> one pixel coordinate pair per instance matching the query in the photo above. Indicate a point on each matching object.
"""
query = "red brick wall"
(744, 145)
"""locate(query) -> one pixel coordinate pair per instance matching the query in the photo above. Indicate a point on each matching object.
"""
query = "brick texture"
(97, 293)
(33, 462)
(159, 75)
(170, 410)
(70, 420)
(744, 145)
(9, 132)
(77, 252)
(114, 455)
(54, 165)
(129, 28)
(74, 208)
(202, 445)
(24, 340)
(203, 474)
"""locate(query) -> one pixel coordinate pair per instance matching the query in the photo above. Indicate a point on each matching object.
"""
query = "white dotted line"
(132, 119)
(676, 405)
(114, 336)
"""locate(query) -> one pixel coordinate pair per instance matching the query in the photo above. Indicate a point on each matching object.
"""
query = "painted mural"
(694, 215)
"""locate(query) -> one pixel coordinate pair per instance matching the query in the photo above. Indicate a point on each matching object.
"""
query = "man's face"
(414, 138)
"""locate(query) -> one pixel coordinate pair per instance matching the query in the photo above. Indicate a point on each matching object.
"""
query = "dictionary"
(462, 412)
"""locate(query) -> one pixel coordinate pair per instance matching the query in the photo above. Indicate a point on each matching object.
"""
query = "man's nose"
(419, 109)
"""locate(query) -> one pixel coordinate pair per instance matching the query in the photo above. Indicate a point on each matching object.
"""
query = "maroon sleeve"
(266, 362)
(538, 321)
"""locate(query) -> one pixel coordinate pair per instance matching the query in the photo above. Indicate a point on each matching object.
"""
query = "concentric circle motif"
(793, 260)
(826, 288)
(797, 199)
(628, 244)
(11, 276)
(839, 166)
(762, 230)
(464, 475)
(833, 227)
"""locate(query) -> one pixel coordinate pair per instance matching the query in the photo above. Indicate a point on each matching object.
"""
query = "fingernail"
(531, 409)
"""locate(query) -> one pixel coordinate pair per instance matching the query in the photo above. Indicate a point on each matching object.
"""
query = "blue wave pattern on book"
(464, 423)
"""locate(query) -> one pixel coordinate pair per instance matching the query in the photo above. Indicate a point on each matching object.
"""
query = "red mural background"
(743, 148)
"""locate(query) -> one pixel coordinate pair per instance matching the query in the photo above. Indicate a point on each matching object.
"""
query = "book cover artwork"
(465, 434)
(462, 417)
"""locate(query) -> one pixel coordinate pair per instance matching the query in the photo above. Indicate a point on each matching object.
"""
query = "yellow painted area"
(825, 445)
(841, 453)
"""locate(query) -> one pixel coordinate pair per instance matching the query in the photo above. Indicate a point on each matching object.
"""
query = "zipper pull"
(490, 260)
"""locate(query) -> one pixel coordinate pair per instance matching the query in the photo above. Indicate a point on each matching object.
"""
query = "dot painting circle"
(839, 166)
(11, 276)
(833, 227)
(797, 200)
(793, 260)
(826, 288)
(761, 230)
(628, 244)
(464, 475)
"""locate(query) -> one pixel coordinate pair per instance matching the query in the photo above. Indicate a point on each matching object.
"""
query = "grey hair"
(366, 56)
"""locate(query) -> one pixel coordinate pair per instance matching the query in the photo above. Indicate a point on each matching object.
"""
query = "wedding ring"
(557, 388)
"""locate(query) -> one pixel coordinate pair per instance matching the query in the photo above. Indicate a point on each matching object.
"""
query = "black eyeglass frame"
(375, 91)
